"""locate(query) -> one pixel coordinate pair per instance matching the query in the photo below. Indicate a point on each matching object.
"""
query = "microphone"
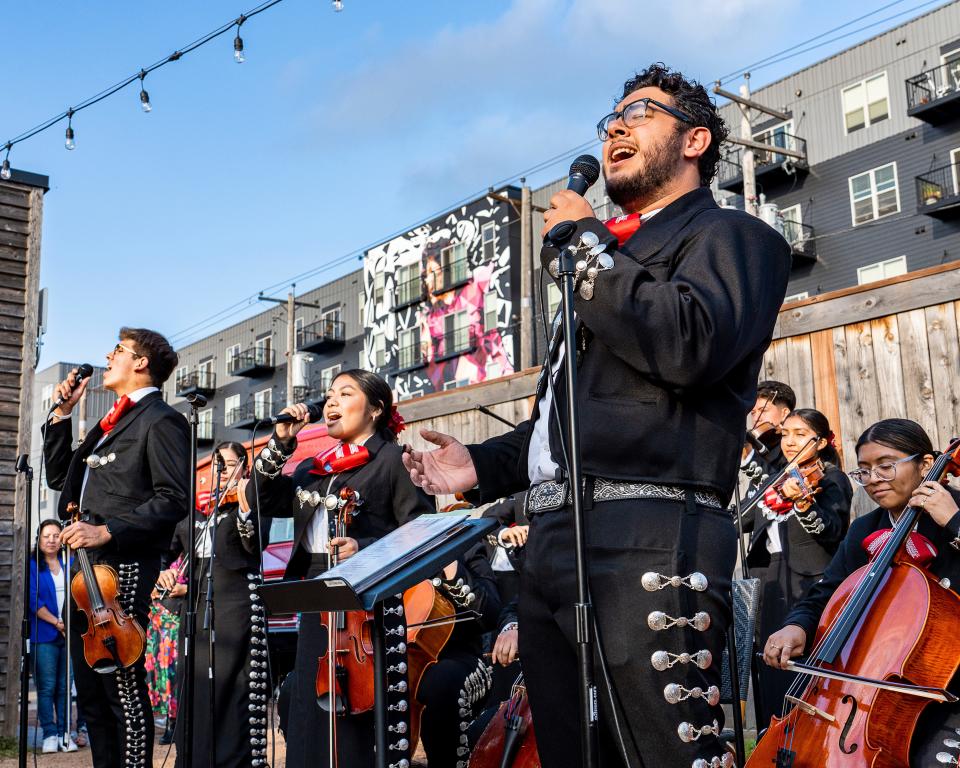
(314, 410)
(584, 172)
(84, 371)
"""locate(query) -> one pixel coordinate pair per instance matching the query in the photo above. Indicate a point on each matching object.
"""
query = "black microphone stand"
(208, 616)
(583, 609)
(23, 466)
(185, 715)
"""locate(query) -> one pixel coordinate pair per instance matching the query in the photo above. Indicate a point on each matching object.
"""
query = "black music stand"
(416, 551)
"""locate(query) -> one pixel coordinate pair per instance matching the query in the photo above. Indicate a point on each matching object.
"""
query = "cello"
(885, 647)
(508, 741)
(113, 639)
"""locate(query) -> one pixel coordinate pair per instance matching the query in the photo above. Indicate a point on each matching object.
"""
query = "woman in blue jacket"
(47, 594)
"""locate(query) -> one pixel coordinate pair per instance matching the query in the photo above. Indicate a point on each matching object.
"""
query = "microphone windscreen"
(587, 166)
(84, 371)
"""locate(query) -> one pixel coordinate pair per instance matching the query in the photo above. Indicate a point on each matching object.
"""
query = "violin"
(884, 649)
(806, 468)
(764, 437)
(508, 739)
(113, 638)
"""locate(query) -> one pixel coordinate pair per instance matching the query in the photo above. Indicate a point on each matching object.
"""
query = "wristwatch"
(509, 625)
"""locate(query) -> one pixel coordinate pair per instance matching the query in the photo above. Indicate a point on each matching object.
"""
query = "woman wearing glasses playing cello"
(796, 528)
(893, 456)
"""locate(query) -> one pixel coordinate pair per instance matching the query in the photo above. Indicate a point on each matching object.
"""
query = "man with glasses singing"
(673, 320)
(129, 478)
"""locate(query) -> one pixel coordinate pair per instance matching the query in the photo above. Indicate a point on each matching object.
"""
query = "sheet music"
(395, 546)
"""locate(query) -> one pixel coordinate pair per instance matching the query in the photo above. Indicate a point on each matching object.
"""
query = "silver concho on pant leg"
(134, 718)
(258, 678)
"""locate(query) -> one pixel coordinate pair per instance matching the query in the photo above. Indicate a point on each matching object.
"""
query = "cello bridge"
(808, 709)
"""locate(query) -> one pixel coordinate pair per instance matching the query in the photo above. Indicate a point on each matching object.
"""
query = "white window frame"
(231, 403)
(873, 193)
(46, 400)
(554, 299)
(362, 360)
(205, 419)
(182, 372)
(361, 313)
(405, 339)
(796, 297)
(460, 325)
(453, 254)
(327, 376)
(232, 353)
(378, 356)
(488, 235)
(950, 57)
(955, 169)
(792, 214)
(866, 104)
(455, 384)
(263, 403)
(766, 135)
(379, 287)
(493, 369)
(491, 303)
(890, 268)
(403, 275)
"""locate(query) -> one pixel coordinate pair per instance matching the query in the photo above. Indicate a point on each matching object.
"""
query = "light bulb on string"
(238, 43)
(5, 172)
(337, 5)
(69, 142)
(144, 96)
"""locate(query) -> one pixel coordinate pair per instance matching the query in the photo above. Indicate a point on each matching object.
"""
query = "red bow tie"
(918, 547)
(623, 227)
(120, 407)
(340, 458)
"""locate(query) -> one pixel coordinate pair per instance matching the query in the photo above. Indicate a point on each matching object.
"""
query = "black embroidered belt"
(551, 495)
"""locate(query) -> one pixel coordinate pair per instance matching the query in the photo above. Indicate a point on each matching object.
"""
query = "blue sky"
(338, 130)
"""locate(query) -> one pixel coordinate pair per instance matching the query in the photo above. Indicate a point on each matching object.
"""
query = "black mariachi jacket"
(851, 556)
(234, 552)
(142, 493)
(669, 350)
(389, 498)
(807, 554)
(474, 568)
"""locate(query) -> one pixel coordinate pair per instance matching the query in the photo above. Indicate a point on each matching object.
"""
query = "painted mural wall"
(439, 308)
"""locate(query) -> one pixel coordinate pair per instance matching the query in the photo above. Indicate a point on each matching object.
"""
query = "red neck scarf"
(340, 458)
(919, 548)
(108, 422)
(623, 227)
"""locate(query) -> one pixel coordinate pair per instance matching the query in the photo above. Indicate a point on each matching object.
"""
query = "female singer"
(359, 413)
(235, 733)
(791, 546)
(893, 456)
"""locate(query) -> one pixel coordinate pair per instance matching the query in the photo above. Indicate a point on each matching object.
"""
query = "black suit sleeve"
(497, 462)
(702, 315)
(508, 614)
(275, 493)
(168, 462)
(57, 451)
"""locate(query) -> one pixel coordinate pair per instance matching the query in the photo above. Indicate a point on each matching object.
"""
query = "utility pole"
(291, 305)
(745, 140)
(82, 417)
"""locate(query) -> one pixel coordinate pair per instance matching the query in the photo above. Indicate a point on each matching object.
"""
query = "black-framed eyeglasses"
(636, 113)
(883, 472)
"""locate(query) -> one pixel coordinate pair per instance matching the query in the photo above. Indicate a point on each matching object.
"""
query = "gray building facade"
(877, 193)
(242, 369)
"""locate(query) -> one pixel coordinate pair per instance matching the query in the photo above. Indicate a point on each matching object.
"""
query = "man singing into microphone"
(671, 328)
(130, 480)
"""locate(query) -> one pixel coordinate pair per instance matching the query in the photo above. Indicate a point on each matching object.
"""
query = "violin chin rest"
(105, 667)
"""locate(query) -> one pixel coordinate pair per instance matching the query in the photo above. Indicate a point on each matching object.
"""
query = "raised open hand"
(446, 469)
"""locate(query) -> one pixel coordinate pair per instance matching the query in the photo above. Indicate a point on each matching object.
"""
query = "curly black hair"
(689, 97)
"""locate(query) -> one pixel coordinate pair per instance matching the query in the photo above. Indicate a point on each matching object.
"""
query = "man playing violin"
(129, 478)
(762, 457)
(670, 339)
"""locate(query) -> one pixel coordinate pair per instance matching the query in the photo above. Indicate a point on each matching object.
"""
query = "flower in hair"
(396, 423)
(832, 440)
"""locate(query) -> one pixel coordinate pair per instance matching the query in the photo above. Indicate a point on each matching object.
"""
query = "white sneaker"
(50, 744)
(69, 745)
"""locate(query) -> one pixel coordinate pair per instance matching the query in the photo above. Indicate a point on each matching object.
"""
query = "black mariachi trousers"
(116, 705)
(627, 539)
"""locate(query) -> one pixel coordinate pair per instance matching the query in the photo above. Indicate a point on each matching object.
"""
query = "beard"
(633, 192)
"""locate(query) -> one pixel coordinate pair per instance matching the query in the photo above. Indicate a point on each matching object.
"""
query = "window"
(205, 373)
(412, 394)
(182, 372)
(792, 219)
(298, 332)
(46, 399)
(263, 403)
(205, 424)
(455, 384)
(379, 283)
(362, 299)
(409, 348)
(379, 356)
(955, 169)
(453, 261)
(865, 103)
(409, 286)
(882, 270)
(553, 301)
(44, 493)
(231, 405)
(488, 240)
(796, 297)
(874, 194)
(494, 369)
(778, 136)
(491, 304)
(362, 362)
(327, 375)
(233, 354)
(263, 349)
(456, 333)
(951, 70)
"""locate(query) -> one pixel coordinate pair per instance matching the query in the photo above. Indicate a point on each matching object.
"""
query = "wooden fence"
(859, 355)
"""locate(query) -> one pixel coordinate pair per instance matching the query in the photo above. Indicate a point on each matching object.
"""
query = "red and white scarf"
(340, 458)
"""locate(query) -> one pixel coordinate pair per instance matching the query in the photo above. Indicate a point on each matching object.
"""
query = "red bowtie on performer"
(120, 408)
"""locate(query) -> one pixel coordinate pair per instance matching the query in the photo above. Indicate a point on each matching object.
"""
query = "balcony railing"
(410, 357)
(938, 192)
(205, 432)
(934, 95)
(456, 342)
(770, 166)
(247, 415)
(321, 336)
(303, 394)
(409, 292)
(452, 274)
(202, 382)
(803, 243)
(253, 362)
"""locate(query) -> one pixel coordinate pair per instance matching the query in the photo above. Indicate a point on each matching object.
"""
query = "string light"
(144, 96)
(337, 5)
(238, 42)
(5, 172)
(69, 143)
